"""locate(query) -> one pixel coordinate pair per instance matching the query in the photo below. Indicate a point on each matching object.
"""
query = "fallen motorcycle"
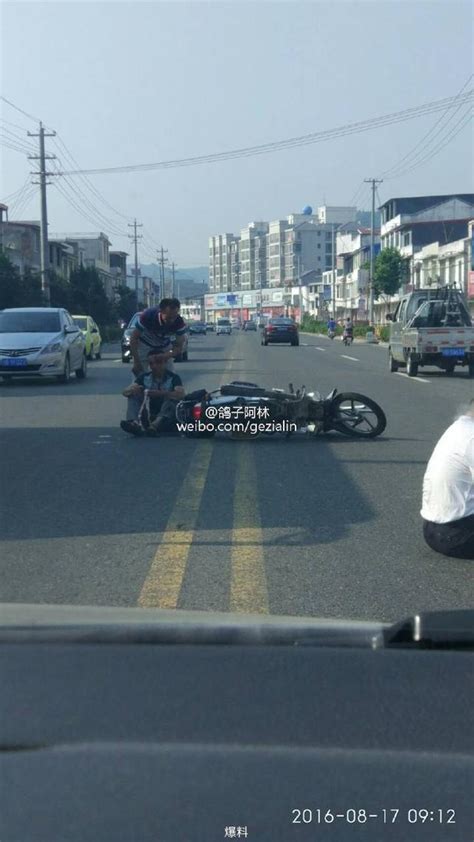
(266, 412)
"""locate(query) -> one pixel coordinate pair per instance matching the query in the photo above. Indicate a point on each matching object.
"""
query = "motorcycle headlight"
(52, 348)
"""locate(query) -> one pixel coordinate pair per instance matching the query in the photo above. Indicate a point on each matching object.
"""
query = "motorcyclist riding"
(332, 328)
(348, 329)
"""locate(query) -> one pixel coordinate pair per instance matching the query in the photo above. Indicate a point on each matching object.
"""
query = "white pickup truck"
(431, 327)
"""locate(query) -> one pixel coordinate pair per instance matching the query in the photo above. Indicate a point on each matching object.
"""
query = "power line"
(87, 182)
(457, 128)
(100, 218)
(25, 201)
(428, 133)
(303, 140)
(12, 196)
(20, 110)
(63, 189)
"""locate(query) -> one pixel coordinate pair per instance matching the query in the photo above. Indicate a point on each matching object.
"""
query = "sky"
(130, 83)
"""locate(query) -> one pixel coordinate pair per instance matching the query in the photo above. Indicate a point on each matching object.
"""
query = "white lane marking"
(105, 437)
(320, 349)
(415, 379)
(101, 442)
(356, 360)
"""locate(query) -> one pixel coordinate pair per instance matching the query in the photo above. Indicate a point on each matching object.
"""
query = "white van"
(223, 326)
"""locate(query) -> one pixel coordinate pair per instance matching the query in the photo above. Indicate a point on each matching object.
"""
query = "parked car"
(91, 334)
(183, 358)
(197, 329)
(223, 326)
(280, 329)
(210, 326)
(431, 327)
(250, 325)
(125, 343)
(41, 342)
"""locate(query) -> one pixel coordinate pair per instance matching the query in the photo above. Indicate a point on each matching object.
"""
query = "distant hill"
(189, 282)
(364, 218)
(198, 274)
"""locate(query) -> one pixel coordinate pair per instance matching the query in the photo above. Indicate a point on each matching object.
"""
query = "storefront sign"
(470, 285)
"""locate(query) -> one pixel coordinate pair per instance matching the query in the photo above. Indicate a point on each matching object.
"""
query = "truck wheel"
(412, 366)
(393, 365)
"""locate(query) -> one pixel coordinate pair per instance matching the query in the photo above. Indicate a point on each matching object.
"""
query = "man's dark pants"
(455, 539)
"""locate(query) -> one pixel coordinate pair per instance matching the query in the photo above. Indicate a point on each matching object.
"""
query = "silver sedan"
(41, 342)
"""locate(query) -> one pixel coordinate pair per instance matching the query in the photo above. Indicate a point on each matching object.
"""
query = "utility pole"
(44, 255)
(135, 238)
(162, 260)
(334, 269)
(172, 280)
(373, 182)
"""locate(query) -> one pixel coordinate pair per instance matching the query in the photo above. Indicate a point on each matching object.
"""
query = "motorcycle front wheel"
(356, 415)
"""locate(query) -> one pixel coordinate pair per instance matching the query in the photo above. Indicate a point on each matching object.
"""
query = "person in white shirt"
(448, 491)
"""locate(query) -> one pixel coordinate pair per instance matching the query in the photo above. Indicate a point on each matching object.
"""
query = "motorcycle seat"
(247, 390)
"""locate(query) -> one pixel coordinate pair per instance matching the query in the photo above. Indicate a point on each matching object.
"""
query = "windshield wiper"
(433, 630)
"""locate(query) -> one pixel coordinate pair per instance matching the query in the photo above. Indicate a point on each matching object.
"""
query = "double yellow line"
(164, 581)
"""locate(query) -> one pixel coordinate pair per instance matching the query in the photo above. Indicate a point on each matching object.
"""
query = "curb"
(356, 339)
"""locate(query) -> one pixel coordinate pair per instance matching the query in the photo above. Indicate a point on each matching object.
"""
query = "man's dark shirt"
(157, 334)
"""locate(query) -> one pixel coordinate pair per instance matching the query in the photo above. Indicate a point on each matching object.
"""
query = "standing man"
(163, 390)
(154, 331)
(448, 491)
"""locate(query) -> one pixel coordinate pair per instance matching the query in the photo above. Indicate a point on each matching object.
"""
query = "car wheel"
(90, 355)
(7, 379)
(184, 357)
(66, 375)
(295, 344)
(450, 369)
(393, 365)
(98, 356)
(81, 372)
(412, 366)
(471, 369)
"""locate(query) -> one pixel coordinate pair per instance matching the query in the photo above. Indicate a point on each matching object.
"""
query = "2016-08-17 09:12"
(361, 816)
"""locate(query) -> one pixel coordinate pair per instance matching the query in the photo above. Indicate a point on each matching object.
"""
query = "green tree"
(60, 291)
(88, 295)
(127, 304)
(388, 272)
(10, 283)
(18, 290)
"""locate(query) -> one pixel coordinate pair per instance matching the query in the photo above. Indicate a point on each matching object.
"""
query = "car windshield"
(29, 322)
(272, 167)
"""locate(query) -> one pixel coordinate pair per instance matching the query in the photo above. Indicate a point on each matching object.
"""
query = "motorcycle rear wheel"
(357, 416)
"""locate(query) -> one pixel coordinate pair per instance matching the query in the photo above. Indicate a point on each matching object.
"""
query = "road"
(326, 527)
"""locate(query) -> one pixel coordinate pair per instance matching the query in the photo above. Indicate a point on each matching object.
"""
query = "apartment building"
(223, 262)
(96, 253)
(118, 267)
(251, 250)
(277, 253)
(410, 223)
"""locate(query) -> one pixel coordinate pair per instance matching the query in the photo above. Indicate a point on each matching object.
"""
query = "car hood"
(12, 341)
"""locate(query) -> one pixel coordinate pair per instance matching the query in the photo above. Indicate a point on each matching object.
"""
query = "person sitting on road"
(448, 491)
(154, 331)
(152, 399)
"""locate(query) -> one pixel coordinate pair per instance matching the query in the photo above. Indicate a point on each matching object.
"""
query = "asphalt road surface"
(327, 527)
